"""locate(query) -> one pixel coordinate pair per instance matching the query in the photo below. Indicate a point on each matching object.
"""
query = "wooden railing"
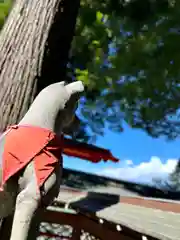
(65, 225)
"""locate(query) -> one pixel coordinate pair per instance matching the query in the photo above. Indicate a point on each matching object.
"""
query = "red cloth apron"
(23, 144)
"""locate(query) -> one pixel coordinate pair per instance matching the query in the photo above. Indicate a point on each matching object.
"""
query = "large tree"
(34, 47)
(126, 52)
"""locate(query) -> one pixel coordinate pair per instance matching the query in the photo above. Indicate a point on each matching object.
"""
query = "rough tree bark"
(34, 46)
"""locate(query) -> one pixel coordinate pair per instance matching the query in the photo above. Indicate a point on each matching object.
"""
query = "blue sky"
(141, 157)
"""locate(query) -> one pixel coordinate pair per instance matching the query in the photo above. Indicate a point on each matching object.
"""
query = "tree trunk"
(34, 46)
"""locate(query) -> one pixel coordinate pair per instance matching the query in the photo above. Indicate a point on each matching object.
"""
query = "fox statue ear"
(74, 90)
(75, 87)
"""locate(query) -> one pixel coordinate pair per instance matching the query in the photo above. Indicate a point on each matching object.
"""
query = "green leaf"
(99, 17)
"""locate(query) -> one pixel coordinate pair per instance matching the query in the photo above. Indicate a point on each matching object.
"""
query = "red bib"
(22, 144)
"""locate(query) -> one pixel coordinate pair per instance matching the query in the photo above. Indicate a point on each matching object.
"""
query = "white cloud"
(129, 162)
(144, 172)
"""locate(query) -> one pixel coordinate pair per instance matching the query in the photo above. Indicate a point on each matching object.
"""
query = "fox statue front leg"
(29, 199)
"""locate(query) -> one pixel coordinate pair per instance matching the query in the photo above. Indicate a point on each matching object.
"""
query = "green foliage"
(128, 54)
(174, 178)
(172, 183)
(4, 10)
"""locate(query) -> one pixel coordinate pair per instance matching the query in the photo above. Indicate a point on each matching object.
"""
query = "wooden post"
(76, 234)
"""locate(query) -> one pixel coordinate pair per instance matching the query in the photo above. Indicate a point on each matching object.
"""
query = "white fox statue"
(30, 155)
